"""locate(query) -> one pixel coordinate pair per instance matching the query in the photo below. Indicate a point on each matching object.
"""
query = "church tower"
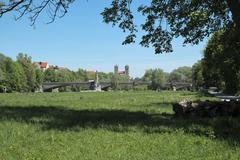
(127, 70)
(116, 69)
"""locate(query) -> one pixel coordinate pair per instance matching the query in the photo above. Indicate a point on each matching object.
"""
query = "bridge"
(92, 85)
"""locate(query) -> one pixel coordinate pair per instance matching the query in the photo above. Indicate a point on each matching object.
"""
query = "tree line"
(159, 78)
(219, 68)
(23, 75)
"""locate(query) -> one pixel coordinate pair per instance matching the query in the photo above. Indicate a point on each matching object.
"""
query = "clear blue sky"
(82, 40)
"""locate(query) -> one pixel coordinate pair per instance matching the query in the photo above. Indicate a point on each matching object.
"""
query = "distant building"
(121, 73)
(42, 65)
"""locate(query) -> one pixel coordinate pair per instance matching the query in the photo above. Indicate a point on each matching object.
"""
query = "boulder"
(206, 108)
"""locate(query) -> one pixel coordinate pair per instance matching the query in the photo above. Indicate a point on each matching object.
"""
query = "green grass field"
(111, 125)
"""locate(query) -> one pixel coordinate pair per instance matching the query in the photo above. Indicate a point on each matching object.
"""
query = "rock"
(206, 108)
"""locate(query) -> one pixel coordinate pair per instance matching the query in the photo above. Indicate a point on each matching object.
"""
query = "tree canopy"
(220, 65)
(164, 19)
(181, 74)
(157, 77)
(221, 59)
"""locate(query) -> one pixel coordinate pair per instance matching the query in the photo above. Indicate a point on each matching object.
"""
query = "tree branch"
(55, 8)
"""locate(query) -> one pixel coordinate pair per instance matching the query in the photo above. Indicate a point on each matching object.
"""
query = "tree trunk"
(234, 6)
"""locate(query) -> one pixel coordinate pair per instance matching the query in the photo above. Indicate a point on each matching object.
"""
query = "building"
(42, 65)
(121, 73)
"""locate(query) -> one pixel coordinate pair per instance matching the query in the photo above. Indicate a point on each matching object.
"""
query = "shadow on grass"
(59, 118)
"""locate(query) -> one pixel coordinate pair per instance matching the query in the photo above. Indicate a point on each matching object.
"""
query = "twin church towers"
(122, 73)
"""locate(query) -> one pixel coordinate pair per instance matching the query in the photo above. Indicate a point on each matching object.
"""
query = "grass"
(111, 125)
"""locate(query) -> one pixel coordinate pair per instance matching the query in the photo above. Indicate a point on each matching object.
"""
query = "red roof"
(43, 64)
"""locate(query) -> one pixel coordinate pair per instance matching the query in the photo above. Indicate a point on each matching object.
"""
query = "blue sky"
(82, 40)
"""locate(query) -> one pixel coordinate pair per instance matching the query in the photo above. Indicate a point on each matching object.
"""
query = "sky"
(81, 40)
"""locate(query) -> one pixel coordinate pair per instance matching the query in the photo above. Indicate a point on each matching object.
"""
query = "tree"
(50, 75)
(105, 76)
(221, 60)
(115, 81)
(167, 19)
(164, 19)
(2, 73)
(39, 77)
(197, 75)
(157, 78)
(15, 79)
(81, 75)
(181, 74)
(29, 69)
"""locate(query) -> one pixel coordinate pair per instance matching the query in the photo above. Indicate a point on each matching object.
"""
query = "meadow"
(111, 125)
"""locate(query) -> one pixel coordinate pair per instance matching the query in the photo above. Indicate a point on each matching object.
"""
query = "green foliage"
(221, 60)
(50, 75)
(19, 76)
(181, 74)
(15, 79)
(81, 75)
(161, 21)
(197, 75)
(157, 77)
(29, 70)
(64, 75)
(39, 77)
(105, 77)
(2, 75)
(193, 20)
(114, 82)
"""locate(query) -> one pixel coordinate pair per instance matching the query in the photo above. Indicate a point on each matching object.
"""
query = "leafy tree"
(105, 76)
(2, 73)
(147, 75)
(221, 60)
(64, 75)
(115, 81)
(157, 78)
(212, 62)
(181, 74)
(50, 76)
(15, 79)
(29, 69)
(167, 19)
(39, 77)
(197, 75)
(81, 75)
(164, 19)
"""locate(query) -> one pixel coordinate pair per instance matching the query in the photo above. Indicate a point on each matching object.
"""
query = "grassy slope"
(111, 125)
